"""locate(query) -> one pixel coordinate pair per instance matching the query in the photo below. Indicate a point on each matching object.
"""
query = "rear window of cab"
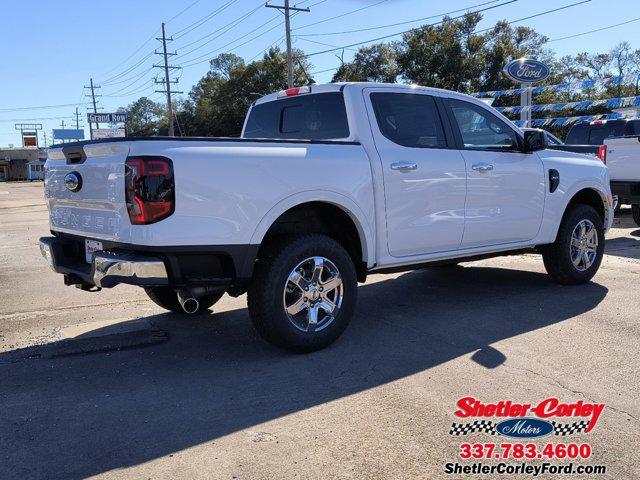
(318, 116)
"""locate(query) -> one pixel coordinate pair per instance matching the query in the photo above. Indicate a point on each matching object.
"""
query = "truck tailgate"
(623, 158)
(96, 209)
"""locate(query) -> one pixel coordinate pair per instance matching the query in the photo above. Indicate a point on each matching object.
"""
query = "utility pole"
(166, 81)
(93, 99)
(287, 25)
(77, 118)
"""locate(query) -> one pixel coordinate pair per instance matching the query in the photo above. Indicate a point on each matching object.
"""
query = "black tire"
(635, 212)
(167, 298)
(557, 256)
(265, 293)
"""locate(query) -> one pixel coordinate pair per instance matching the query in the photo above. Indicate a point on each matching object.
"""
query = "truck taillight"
(602, 153)
(149, 189)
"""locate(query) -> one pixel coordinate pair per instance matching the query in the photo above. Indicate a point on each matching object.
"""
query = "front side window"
(408, 119)
(482, 130)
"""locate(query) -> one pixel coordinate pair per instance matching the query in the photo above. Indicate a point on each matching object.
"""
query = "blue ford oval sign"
(524, 428)
(525, 70)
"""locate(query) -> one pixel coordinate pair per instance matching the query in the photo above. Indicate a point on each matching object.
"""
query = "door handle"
(482, 167)
(404, 166)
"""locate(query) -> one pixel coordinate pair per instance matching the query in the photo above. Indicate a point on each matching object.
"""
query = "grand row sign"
(525, 70)
(106, 117)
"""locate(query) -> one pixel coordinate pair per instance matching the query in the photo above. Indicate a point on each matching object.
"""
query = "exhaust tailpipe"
(188, 303)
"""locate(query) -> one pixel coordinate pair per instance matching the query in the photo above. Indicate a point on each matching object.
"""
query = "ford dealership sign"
(525, 70)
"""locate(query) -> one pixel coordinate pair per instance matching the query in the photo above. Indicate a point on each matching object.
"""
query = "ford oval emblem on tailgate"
(73, 181)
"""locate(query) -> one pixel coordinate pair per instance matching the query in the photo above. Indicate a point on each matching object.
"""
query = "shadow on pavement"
(75, 417)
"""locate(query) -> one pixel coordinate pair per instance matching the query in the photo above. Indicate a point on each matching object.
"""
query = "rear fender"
(362, 223)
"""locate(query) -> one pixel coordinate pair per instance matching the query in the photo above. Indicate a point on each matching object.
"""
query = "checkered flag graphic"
(484, 426)
(564, 429)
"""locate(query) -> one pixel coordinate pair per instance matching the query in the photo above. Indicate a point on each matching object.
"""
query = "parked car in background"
(327, 184)
(621, 140)
(556, 144)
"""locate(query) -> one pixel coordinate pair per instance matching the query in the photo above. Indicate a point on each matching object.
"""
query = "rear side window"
(409, 119)
(320, 116)
(633, 127)
(578, 135)
(594, 134)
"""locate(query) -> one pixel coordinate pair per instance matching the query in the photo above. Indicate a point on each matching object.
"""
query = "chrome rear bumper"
(107, 269)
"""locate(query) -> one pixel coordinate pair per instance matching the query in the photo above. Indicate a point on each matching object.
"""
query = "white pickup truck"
(620, 139)
(327, 184)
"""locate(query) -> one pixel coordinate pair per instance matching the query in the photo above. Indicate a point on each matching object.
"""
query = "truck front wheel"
(575, 256)
(635, 211)
(303, 292)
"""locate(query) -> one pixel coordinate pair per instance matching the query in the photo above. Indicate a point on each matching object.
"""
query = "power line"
(228, 27)
(322, 43)
(546, 12)
(133, 54)
(67, 117)
(593, 31)
(206, 56)
(189, 28)
(342, 15)
(410, 30)
(41, 107)
(128, 70)
(181, 12)
(398, 23)
(132, 83)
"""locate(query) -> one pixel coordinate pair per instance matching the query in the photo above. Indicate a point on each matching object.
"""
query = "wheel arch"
(589, 195)
(318, 207)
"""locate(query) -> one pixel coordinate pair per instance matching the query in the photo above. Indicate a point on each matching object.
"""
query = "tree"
(143, 117)
(220, 100)
(448, 55)
(376, 63)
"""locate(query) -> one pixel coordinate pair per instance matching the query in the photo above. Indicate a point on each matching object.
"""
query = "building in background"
(14, 162)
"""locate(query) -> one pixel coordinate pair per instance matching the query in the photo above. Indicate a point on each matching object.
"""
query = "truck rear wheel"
(303, 292)
(575, 256)
(635, 211)
(167, 298)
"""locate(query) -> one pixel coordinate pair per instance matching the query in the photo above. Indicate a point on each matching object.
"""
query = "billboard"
(29, 140)
(67, 134)
(99, 133)
(106, 117)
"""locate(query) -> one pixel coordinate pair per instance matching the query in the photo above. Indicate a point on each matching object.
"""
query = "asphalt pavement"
(108, 385)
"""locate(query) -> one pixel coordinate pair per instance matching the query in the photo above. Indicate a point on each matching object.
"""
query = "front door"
(505, 187)
(424, 179)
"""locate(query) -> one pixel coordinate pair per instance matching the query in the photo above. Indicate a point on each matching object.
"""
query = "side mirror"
(534, 140)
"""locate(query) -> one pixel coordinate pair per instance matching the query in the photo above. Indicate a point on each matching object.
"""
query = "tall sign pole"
(525, 103)
(286, 9)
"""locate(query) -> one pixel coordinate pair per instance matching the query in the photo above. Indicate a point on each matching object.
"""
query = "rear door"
(505, 187)
(97, 208)
(424, 179)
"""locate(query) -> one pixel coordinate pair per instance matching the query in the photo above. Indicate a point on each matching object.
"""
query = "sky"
(50, 49)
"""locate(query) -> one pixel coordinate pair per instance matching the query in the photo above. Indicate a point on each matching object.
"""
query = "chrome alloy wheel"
(584, 245)
(313, 294)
